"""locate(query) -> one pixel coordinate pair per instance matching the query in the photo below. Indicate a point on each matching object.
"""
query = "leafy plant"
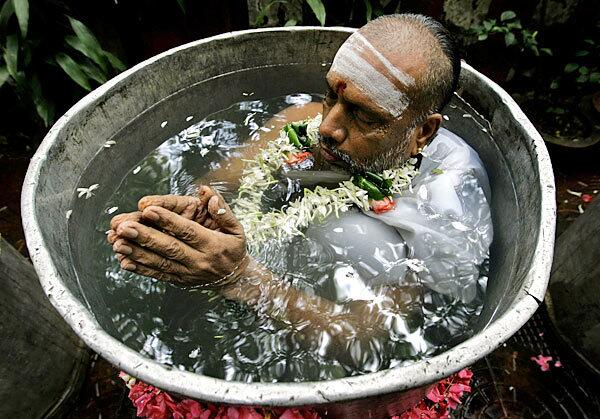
(28, 58)
(514, 33)
(371, 9)
(584, 67)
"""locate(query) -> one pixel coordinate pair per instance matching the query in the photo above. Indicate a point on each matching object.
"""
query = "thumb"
(222, 214)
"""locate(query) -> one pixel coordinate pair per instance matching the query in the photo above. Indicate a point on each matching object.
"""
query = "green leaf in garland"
(73, 70)
(22, 12)
(318, 9)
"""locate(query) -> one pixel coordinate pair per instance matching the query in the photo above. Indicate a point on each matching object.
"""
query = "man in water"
(386, 88)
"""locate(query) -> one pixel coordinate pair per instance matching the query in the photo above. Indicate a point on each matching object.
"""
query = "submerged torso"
(202, 332)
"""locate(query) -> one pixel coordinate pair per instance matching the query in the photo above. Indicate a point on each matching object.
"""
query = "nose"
(333, 124)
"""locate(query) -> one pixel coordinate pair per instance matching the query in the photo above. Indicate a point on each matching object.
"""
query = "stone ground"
(507, 383)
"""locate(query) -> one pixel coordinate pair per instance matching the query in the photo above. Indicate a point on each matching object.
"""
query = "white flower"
(316, 205)
(87, 192)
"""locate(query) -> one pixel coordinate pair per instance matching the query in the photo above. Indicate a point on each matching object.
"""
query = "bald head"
(401, 62)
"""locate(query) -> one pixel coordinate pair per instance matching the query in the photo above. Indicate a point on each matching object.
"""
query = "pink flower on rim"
(542, 361)
(150, 402)
(190, 409)
(299, 414)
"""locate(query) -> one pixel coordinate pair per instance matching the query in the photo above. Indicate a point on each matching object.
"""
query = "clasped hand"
(183, 240)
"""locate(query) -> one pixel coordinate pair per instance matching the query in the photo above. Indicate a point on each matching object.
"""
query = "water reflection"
(205, 333)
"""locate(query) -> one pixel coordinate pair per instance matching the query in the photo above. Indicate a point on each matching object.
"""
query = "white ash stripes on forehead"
(350, 62)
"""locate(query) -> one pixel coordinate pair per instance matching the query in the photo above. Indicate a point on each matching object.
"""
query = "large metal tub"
(211, 74)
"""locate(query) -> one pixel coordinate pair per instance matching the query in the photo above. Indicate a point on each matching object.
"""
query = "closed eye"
(330, 96)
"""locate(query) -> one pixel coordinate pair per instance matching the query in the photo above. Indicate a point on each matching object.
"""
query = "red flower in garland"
(296, 158)
(384, 205)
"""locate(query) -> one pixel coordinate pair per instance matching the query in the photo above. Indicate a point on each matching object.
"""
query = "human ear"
(425, 132)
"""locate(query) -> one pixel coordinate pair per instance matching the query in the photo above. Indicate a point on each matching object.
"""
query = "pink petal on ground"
(542, 361)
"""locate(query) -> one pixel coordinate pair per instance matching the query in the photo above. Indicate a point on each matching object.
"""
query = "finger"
(204, 193)
(112, 236)
(222, 214)
(127, 216)
(128, 265)
(164, 244)
(122, 246)
(186, 206)
(141, 256)
(186, 230)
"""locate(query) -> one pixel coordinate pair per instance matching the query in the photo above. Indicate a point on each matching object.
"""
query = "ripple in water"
(205, 333)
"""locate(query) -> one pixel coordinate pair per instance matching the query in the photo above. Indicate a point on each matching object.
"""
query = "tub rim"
(527, 298)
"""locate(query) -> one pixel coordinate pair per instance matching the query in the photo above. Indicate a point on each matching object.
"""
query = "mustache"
(331, 147)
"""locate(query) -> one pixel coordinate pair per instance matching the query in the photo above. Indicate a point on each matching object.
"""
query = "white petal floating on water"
(446, 117)
(87, 192)
(467, 115)
(164, 124)
(459, 226)
(111, 210)
(68, 214)
(189, 118)
(109, 143)
(194, 353)
(574, 193)
(580, 209)
(137, 170)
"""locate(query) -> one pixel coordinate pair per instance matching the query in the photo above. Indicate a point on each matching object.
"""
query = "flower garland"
(153, 403)
(367, 192)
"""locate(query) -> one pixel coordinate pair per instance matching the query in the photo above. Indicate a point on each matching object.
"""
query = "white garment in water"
(441, 230)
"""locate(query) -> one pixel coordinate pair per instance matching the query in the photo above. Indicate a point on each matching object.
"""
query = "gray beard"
(392, 158)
